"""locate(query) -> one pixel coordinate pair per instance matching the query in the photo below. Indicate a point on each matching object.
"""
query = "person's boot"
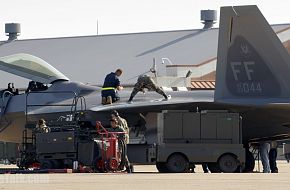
(109, 100)
(274, 171)
(165, 97)
(130, 100)
(104, 100)
(128, 169)
(131, 168)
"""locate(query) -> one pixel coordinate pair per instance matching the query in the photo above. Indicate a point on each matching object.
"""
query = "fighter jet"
(62, 96)
(252, 78)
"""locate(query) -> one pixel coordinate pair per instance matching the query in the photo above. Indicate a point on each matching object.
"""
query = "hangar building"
(89, 58)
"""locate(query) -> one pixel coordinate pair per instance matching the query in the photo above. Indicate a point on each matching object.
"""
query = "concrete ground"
(147, 178)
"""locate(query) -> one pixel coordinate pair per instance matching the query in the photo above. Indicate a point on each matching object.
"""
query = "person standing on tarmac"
(122, 123)
(116, 128)
(273, 157)
(264, 149)
(111, 86)
(145, 81)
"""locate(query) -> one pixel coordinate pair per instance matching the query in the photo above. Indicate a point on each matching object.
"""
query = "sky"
(62, 18)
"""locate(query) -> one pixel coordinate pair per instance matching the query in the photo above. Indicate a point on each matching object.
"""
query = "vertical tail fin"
(252, 63)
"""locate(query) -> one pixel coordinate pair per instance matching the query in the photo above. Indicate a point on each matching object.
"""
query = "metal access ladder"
(27, 153)
(5, 99)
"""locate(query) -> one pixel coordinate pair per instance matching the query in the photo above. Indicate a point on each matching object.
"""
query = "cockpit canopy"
(31, 67)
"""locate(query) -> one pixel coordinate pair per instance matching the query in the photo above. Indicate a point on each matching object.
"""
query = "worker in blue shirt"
(111, 87)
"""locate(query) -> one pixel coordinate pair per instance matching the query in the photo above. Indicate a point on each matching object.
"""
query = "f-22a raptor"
(252, 78)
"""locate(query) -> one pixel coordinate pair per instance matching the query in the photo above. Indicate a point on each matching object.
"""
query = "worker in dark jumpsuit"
(116, 128)
(273, 157)
(110, 87)
(145, 81)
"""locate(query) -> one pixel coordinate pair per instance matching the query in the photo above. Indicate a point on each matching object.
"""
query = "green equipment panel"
(55, 142)
(191, 126)
(216, 126)
(172, 125)
(208, 126)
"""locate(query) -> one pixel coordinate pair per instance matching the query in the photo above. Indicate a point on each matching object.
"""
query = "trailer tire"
(177, 163)
(161, 167)
(113, 164)
(228, 163)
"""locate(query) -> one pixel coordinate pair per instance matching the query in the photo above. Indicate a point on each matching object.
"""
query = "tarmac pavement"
(147, 178)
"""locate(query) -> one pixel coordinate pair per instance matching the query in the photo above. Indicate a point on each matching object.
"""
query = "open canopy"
(30, 67)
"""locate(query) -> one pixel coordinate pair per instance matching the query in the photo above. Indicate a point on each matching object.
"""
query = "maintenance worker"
(264, 152)
(111, 87)
(116, 128)
(122, 123)
(40, 86)
(145, 81)
(10, 88)
(31, 87)
(41, 127)
(273, 157)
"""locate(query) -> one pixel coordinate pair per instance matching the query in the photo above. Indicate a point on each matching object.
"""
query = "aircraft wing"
(154, 103)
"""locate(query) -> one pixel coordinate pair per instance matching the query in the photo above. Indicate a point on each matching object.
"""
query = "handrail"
(82, 103)
(3, 109)
(3, 100)
(100, 127)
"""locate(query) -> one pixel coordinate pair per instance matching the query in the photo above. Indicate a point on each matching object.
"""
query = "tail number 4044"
(243, 75)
